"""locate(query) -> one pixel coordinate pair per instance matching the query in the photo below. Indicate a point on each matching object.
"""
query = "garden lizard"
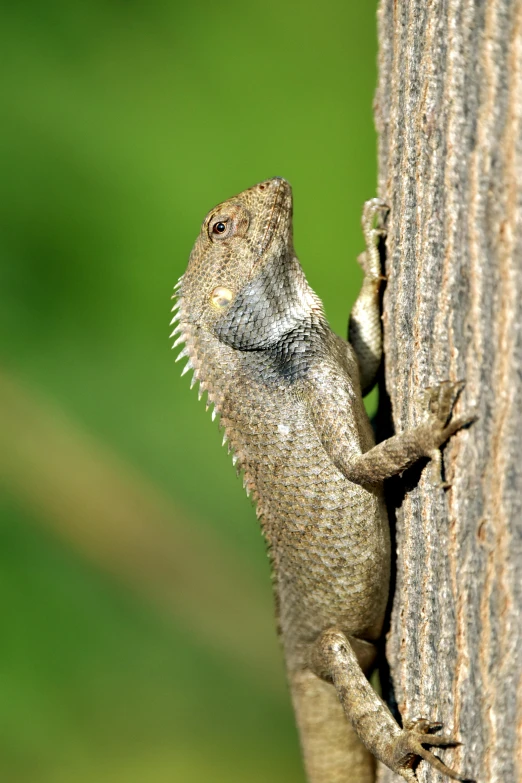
(289, 393)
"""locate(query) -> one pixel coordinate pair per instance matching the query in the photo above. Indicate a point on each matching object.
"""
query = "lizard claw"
(410, 744)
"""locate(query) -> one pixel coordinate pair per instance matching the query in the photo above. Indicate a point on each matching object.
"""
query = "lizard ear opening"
(221, 297)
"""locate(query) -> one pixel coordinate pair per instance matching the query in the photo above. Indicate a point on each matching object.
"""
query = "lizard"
(289, 393)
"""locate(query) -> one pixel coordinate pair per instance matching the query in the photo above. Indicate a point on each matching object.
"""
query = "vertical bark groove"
(448, 112)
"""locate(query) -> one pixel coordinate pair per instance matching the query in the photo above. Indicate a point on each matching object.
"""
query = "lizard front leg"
(364, 328)
(399, 452)
(334, 659)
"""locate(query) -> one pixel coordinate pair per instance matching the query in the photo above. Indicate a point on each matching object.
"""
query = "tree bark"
(448, 112)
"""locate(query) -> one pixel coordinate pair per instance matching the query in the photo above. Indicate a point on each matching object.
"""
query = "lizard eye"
(226, 222)
(221, 228)
(221, 297)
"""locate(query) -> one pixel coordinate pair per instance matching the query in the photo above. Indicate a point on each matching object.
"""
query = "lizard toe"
(411, 743)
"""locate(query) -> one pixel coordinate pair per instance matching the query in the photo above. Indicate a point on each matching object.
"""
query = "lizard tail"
(333, 753)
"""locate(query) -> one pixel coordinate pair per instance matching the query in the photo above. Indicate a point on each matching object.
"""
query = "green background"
(136, 620)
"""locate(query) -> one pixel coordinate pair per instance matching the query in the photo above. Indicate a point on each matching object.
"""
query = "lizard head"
(243, 282)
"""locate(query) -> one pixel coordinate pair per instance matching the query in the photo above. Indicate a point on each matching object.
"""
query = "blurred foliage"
(122, 124)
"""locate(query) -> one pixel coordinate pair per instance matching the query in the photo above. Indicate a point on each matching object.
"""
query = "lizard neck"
(268, 307)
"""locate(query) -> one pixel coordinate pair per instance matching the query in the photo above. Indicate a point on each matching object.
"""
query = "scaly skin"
(288, 392)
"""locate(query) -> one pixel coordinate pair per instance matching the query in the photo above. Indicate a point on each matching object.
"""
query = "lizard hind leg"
(334, 658)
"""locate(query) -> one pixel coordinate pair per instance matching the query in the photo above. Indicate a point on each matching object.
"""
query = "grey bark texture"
(449, 117)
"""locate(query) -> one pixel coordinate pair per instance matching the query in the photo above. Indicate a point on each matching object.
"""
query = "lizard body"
(288, 391)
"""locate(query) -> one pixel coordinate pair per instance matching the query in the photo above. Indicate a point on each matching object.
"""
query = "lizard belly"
(331, 555)
(328, 538)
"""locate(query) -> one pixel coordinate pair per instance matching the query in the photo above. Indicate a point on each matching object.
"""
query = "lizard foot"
(372, 210)
(409, 746)
(439, 401)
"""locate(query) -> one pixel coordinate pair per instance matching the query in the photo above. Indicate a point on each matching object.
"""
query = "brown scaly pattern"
(289, 396)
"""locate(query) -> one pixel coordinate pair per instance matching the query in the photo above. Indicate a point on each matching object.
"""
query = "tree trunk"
(448, 112)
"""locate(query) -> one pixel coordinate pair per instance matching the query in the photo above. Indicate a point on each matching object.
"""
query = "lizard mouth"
(279, 212)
